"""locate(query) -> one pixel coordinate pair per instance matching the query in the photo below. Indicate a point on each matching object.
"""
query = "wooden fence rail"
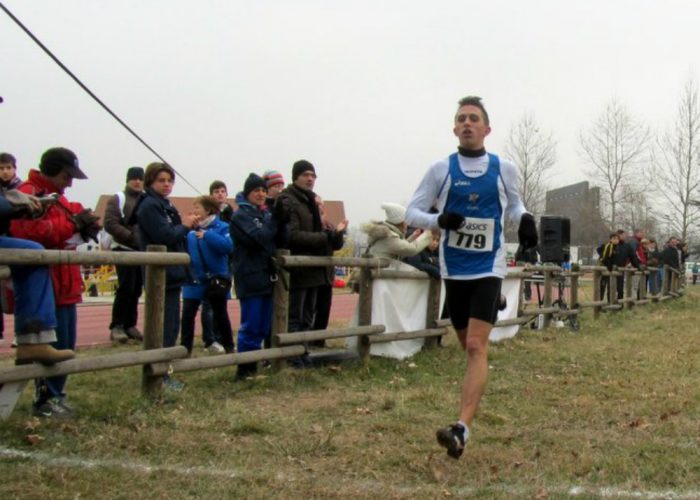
(157, 361)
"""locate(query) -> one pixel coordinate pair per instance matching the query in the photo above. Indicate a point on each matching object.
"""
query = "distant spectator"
(654, 260)
(695, 270)
(624, 256)
(209, 245)
(607, 253)
(129, 279)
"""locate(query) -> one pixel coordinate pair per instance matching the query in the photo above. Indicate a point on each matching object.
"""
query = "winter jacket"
(13, 183)
(625, 255)
(115, 221)
(53, 230)
(215, 246)
(671, 257)
(387, 240)
(426, 261)
(255, 235)
(307, 236)
(607, 254)
(158, 223)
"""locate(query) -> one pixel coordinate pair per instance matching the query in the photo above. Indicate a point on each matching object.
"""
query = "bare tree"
(676, 166)
(534, 152)
(616, 147)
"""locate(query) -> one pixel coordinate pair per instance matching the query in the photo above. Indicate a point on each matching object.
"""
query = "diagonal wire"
(90, 93)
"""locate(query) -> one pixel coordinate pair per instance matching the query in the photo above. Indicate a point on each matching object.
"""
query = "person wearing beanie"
(275, 185)
(297, 207)
(63, 226)
(387, 238)
(121, 231)
(256, 237)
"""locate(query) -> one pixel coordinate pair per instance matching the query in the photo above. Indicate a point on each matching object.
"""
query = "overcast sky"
(365, 90)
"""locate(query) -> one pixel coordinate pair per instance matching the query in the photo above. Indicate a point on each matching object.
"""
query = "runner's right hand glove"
(450, 220)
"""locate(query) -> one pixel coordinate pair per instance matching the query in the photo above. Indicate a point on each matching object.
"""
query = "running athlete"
(472, 191)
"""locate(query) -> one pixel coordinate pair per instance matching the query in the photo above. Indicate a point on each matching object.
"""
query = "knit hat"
(56, 159)
(253, 182)
(134, 173)
(273, 178)
(395, 213)
(300, 167)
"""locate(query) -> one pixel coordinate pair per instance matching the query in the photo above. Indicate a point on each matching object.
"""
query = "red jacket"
(641, 253)
(53, 230)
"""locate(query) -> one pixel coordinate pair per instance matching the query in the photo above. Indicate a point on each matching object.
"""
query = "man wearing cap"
(63, 226)
(297, 206)
(129, 281)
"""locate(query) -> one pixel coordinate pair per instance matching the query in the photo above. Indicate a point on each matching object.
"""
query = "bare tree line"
(647, 180)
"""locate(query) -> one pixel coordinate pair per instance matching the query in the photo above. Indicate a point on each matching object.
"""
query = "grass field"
(610, 411)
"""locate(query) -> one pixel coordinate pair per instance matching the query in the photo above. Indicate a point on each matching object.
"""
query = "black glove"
(450, 220)
(527, 232)
(84, 219)
(91, 232)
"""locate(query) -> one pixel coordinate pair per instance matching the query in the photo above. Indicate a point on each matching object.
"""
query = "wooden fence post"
(573, 292)
(643, 283)
(629, 290)
(666, 280)
(433, 313)
(151, 385)
(612, 285)
(596, 293)
(280, 308)
(547, 302)
(364, 311)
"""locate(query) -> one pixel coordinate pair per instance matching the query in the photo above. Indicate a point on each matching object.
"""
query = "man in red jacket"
(63, 226)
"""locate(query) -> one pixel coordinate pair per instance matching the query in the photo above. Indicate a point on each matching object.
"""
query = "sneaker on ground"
(454, 439)
(52, 408)
(215, 348)
(134, 334)
(118, 336)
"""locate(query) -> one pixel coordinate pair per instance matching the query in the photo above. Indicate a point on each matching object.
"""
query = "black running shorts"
(472, 299)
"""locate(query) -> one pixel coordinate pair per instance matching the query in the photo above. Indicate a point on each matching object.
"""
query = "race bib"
(476, 235)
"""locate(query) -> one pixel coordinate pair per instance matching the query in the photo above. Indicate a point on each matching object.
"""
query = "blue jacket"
(215, 246)
(159, 223)
(254, 233)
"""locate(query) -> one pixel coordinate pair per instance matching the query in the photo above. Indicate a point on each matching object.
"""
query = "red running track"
(94, 318)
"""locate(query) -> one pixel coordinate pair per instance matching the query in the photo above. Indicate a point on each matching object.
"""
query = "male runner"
(472, 191)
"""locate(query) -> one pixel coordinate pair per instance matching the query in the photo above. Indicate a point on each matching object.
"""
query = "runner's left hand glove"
(527, 232)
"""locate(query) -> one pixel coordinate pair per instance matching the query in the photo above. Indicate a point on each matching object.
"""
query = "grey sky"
(365, 90)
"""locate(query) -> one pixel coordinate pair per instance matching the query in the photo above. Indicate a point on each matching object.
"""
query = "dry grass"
(616, 405)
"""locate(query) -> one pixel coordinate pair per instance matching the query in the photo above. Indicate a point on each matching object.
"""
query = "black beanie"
(134, 173)
(300, 167)
(253, 182)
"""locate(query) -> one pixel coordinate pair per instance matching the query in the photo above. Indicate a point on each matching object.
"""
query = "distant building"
(581, 205)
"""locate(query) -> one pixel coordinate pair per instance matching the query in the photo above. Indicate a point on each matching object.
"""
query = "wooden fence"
(157, 361)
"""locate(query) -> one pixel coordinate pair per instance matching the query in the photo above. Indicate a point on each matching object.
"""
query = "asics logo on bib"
(462, 183)
(470, 226)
